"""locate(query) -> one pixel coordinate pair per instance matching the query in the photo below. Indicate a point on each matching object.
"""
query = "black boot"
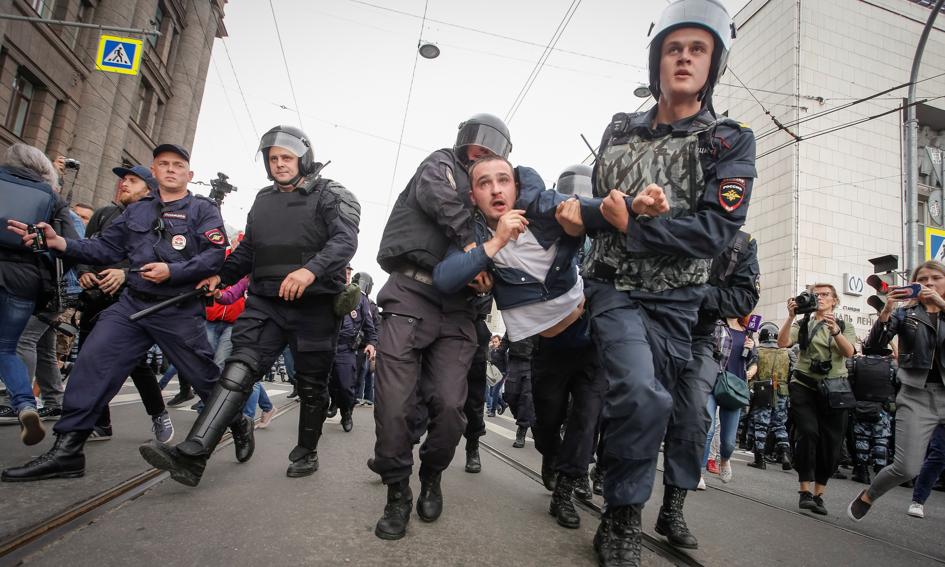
(393, 524)
(671, 523)
(332, 409)
(185, 469)
(597, 480)
(371, 466)
(304, 462)
(185, 394)
(347, 423)
(430, 501)
(293, 394)
(548, 474)
(473, 464)
(785, 459)
(520, 437)
(861, 474)
(562, 507)
(64, 460)
(244, 440)
(618, 538)
(582, 488)
(759, 461)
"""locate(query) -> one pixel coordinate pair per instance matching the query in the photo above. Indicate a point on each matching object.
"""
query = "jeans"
(728, 423)
(15, 312)
(257, 396)
(932, 467)
(220, 334)
(37, 349)
(168, 374)
(494, 400)
(368, 378)
(289, 364)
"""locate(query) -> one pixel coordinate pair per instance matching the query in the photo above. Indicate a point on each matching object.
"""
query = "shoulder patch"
(731, 193)
(215, 236)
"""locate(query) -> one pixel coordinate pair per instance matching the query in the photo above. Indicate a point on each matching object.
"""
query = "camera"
(805, 302)
(39, 243)
(820, 366)
(220, 188)
(72, 163)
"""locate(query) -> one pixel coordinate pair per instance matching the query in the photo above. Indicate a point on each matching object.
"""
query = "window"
(84, 15)
(158, 23)
(43, 7)
(23, 93)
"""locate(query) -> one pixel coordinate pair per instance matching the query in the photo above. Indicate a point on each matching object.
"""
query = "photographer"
(825, 344)
(920, 404)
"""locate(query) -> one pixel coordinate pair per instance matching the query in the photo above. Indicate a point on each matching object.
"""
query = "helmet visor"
(485, 136)
(574, 184)
(283, 140)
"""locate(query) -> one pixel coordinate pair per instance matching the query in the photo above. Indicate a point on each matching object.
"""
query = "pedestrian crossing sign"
(118, 55)
(934, 244)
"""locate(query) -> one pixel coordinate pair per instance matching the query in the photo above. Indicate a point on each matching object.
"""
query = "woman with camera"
(825, 344)
(920, 404)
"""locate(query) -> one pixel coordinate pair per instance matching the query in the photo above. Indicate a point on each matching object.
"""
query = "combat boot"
(64, 460)
(520, 437)
(304, 462)
(185, 469)
(618, 538)
(473, 464)
(244, 440)
(759, 462)
(347, 421)
(861, 474)
(332, 409)
(393, 524)
(597, 480)
(671, 523)
(430, 501)
(548, 474)
(785, 460)
(582, 488)
(562, 507)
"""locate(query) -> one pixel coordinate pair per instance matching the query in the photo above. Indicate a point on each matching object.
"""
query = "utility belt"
(415, 273)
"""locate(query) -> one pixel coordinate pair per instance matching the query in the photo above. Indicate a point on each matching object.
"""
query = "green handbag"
(730, 391)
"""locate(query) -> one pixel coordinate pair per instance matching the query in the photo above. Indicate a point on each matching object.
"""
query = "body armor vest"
(630, 163)
(287, 231)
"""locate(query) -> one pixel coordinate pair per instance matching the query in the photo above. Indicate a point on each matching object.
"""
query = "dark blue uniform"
(187, 234)
(357, 331)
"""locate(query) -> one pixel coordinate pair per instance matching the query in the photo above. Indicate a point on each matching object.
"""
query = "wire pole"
(77, 24)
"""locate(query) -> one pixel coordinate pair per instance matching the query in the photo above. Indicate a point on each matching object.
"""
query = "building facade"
(824, 205)
(52, 97)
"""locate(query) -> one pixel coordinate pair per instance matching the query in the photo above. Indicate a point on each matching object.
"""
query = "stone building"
(52, 97)
(825, 205)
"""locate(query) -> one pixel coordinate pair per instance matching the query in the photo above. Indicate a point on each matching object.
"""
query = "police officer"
(476, 382)
(300, 234)
(576, 180)
(427, 340)
(647, 276)
(365, 387)
(101, 288)
(174, 239)
(518, 387)
(357, 329)
(770, 415)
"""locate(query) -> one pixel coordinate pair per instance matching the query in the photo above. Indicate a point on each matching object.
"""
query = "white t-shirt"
(527, 255)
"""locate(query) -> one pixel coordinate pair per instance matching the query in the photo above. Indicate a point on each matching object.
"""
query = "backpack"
(774, 364)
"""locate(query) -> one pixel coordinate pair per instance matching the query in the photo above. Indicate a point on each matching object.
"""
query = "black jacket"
(917, 330)
(733, 289)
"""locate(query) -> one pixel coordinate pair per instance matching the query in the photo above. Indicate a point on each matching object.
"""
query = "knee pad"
(237, 376)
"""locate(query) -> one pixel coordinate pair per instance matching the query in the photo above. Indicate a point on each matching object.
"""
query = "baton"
(170, 301)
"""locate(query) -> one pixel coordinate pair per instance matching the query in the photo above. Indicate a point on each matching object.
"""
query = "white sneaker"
(725, 472)
(701, 485)
(916, 510)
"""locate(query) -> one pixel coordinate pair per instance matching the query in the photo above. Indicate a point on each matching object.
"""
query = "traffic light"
(883, 277)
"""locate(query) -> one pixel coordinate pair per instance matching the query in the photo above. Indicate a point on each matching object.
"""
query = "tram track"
(23, 543)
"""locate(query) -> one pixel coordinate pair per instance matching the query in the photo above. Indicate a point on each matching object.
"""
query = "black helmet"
(364, 281)
(294, 140)
(575, 180)
(768, 333)
(483, 130)
(710, 15)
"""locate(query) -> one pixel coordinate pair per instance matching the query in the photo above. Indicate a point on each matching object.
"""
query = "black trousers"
(560, 374)
(518, 391)
(475, 405)
(818, 434)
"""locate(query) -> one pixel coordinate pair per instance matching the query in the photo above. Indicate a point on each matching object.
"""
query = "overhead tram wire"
(403, 124)
(285, 62)
(555, 37)
(766, 111)
(229, 104)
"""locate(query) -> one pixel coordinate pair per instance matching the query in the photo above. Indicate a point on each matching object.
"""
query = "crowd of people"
(625, 291)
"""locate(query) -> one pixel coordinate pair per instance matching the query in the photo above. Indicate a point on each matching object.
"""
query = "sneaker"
(31, 427)
(368, 404)
(725, 472)
(180, 399)
(712, 466)
(490, 413)
(858, 509)
(100, 433)
(819, 507)
(50, 413)
(162, 427)
(264, 419)
(8, 415)
(806, 500)
(916, 510)
(701, 485)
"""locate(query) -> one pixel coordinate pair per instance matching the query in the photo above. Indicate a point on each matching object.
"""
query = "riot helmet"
(364, 281)
(483, 130)
(768, 333)
(709, 15)
(294, 140)
(575, 180)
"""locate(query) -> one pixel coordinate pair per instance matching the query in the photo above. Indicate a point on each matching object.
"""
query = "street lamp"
(642, 91)
(429, 51)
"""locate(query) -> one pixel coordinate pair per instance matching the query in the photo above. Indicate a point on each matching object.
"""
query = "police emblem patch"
(215, 236)
(731, 193)
(354, 314)
(179, 242)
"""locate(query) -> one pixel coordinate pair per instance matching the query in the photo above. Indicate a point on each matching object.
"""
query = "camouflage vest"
(774, 364)
(630, 163)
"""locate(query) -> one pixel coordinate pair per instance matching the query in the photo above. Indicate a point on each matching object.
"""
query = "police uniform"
(357, 331)
(518, 386)
(769, 404)
(476, 385)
